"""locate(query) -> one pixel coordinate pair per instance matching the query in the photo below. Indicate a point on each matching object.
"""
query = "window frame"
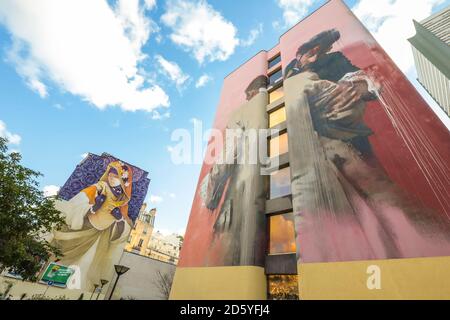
(287, 165)
(276, 70)
(274, 87)
(269, 138)
(281, 106)
(268, 216)
(273, 58)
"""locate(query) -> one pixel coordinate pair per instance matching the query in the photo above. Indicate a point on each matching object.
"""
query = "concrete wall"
(139, 282)
(32, 288)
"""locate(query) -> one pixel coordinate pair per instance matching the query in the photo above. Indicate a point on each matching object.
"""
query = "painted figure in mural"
(359, 213)
(97, 225)
(235, 190)
(338, 111)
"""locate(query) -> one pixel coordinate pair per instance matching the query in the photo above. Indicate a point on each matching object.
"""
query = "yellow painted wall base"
(418, 278)
(219, 283)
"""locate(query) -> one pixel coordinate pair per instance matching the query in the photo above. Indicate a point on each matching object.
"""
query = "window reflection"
(276, 94)
(276, 117)
(283, 287)
(282, 234)
(275, 77)
(273, 62)
(280, 183)
(278, 145)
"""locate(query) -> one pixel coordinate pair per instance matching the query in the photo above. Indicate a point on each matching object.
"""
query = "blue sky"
(61, 98)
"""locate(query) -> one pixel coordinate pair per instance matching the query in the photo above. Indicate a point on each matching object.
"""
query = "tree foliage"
(25, 215)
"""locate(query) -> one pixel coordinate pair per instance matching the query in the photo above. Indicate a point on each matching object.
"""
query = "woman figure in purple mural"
(97, 225)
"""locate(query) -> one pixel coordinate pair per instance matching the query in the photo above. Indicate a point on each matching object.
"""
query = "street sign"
(57, 275)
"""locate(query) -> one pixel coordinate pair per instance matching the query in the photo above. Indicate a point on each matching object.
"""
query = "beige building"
(165, 247)
(142, 232)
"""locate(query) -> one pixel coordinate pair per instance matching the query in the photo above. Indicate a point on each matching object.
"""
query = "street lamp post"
(93, 291)
(103, 282)
(120, 270)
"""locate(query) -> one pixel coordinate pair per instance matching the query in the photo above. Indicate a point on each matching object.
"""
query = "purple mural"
(90, 170)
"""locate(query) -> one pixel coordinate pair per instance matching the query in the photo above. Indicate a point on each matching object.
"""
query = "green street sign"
(57, 275)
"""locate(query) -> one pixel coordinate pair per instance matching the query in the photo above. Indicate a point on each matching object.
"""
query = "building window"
(276, 94)
(280, 183)
(275, 77)
(282, 234)
(278, 145)
(274, 61)
(282, 287)
(276, 117)
(140, 242)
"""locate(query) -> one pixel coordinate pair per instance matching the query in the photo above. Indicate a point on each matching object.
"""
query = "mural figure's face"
(311, 56)
(308, 57)
(114, 183)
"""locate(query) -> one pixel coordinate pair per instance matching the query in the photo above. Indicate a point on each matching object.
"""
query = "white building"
(431, 49)
(165, 247)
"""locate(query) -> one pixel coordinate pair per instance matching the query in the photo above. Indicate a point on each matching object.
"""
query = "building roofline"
(147, 257)
(433, 48)
(434, 15)
(292, 27)
(129, 164)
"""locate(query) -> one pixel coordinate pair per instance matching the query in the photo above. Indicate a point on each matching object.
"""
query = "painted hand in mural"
(99, 200)
(116, 213)
(340, 98)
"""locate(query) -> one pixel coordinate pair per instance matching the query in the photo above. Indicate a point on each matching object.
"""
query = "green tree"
(25, 215)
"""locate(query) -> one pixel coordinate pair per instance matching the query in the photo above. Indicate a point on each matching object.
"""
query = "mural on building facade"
(100, 202)
(346, 205)
(368, 157)
(234, 191)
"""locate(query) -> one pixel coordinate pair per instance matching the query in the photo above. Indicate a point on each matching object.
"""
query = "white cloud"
(50, 190)
(202, 81)
(87, 48)
(154, 199)
(156, 115)
(201, 30)
(254, 34)
(293, 11)
(13, 138)
(390, 22)
(150, 4)
(172, 71)
(172, 195)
